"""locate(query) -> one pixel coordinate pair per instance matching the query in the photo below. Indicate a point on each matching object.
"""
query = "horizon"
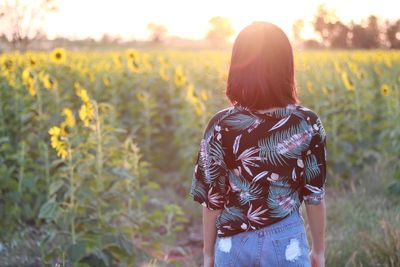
(130, 19)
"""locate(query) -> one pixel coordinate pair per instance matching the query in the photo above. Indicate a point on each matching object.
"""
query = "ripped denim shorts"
(282, 244)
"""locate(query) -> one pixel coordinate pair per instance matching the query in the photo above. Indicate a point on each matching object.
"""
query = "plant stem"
(39, 101)
(46, 165)
(99, 163)
(21, 162)
(72, 193)
(358, 113)
(99, 158)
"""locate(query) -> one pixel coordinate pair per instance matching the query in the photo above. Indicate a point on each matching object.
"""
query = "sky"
(189, 19)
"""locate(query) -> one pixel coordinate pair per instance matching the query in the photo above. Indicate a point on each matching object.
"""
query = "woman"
(259, 159)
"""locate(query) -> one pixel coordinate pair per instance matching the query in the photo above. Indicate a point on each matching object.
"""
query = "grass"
(363, 226)
(363, 229)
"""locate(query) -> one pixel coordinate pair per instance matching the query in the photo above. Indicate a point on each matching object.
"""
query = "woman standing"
(259, 159)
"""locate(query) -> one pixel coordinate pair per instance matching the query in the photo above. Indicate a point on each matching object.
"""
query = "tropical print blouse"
(258, 167)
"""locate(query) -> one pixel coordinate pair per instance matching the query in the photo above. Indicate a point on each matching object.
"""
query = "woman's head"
(261, 73)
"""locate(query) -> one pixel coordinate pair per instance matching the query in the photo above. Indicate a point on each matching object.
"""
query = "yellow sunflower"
(31, 86)
(56, 143)
(86, 113)
(106, 81)
(58, 56)
(347, 82)
(47, 81)
(310, 87)
(132, 54)
(223, 75)
(69, 117)
(31, 59)
(163, 72)
(179, 76)
(133, 65)
(385, 89)
(27, 76)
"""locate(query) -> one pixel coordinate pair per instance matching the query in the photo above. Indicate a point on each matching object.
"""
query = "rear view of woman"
(259, 159)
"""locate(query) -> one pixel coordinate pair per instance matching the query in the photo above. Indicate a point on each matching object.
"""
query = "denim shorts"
(282, 244)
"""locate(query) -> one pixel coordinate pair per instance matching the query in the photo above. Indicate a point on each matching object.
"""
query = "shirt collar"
(279, 113)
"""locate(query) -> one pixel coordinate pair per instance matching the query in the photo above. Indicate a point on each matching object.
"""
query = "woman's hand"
(208, 260)
(317, 259)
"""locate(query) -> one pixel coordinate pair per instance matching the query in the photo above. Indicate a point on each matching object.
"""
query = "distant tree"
(324, 23)
(312, 44)
(367, 36)
(297, 26)
(339, 35)
(359, 36)
(108, 39)
(220, 31)
(373, 31)
(393, 34)
(22, 21)
(158, 32)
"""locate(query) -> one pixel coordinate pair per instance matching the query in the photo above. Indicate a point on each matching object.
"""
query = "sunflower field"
(97, 148)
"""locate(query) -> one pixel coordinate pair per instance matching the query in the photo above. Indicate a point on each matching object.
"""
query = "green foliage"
(104, 203)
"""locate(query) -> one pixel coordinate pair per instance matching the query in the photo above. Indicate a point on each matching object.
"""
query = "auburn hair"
(261, 71)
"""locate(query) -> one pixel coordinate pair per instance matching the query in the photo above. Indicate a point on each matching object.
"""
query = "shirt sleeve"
(314, 171)
(209, 174)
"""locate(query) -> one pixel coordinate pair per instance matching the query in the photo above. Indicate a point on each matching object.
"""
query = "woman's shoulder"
(313, 119)
(307, 113)
(214, 122)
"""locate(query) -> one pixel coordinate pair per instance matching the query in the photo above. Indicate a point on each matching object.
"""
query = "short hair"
(261, 72)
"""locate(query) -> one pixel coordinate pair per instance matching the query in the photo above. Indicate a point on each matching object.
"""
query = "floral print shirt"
(258, 167)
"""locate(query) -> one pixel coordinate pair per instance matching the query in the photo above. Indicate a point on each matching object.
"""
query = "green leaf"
(152, 185)
(4, 139)
(77, 251)
(102, 256)
(55, 186)
(48, 210)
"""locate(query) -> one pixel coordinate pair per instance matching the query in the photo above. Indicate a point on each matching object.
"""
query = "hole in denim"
(225, 244)
(293, 251)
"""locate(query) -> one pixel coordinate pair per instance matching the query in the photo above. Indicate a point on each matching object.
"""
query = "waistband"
(292, 220)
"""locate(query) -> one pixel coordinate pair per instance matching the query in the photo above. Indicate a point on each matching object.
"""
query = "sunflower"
(204, 95)
(56, 143)
(58, 56)
(86, 113)
(385, 90)
(47, 81)
(223, 75)
(84, 96)
(27, 76)
(132, 54)
(179, 76)
(30, 59)
(310, 87)
(163, 72)
(31, 86)
(193, 99)
(69, 117)
(347, 82)
(81, 92)
(78, 88)
(325, 90)
(146, 62)
(106, 81)
(8, 64)
(133, 65)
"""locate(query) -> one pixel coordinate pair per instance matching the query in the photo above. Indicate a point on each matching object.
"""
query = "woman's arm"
(209, 235)
(316, 220)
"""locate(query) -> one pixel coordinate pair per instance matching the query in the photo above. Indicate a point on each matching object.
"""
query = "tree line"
(22, 24)
(333, 33)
